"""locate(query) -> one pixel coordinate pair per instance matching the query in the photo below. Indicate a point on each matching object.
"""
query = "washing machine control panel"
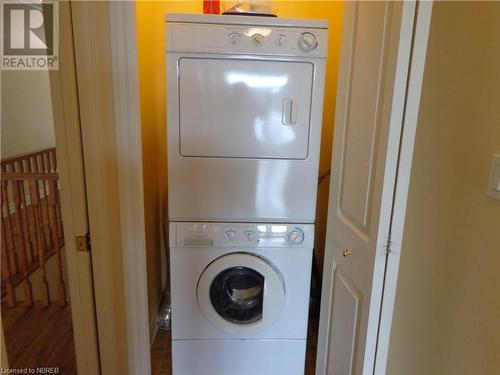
(241, 235)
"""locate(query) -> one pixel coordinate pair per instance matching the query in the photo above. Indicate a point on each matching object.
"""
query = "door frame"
(111, 136)
(105, 40)
(65, 108)
(423, 15)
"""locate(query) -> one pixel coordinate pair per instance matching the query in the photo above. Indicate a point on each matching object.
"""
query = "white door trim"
(106, 55)
(393, 143)
(63, 89)
(411, 110)
(130, 184)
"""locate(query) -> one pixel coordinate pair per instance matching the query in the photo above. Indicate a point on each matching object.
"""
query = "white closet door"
(371, 99)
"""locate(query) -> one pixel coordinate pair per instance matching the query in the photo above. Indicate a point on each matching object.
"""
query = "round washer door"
(241, 293)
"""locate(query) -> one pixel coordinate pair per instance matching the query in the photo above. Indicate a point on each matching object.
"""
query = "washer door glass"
(237, 294)
(241, 293)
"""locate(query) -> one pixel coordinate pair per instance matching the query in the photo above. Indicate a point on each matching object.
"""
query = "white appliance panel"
(239, 39)
(243, 357)
(189, 323)
(265, 168)
(242, 189)
(243, 108)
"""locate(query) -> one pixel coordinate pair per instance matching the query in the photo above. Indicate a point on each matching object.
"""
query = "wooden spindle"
(9, 285)
(53, 169)
(18, 201)
(53, 199)
(9, 237)
(35, 201)
(44, 204)
(31, 213)
(40, 241)
(54, 160)
(27, 230)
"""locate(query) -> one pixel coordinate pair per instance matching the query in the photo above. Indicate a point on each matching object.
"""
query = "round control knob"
(230, 234)
(307, 42)
(249, 235)
(234, 38)
(281, 41)
(296, 236)
(258, 39)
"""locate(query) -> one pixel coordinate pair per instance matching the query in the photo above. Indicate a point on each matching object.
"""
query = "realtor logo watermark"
(30, 35)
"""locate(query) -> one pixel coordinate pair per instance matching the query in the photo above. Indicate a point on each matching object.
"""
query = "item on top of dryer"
(249, 8)
(211, 6)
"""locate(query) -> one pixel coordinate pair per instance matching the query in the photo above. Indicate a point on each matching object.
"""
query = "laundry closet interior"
(198, 143)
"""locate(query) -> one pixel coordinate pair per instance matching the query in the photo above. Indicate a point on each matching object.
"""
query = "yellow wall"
(150, 34)
(447, 311)
(150, 18)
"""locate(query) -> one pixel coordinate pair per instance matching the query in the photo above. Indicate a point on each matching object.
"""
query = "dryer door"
(241, 108)
(241, 293)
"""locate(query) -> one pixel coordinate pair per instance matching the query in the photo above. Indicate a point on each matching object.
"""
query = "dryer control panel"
(245, 235)
(246, 39)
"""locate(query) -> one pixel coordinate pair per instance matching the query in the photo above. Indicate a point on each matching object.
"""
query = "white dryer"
(240, 297)
(244, 100)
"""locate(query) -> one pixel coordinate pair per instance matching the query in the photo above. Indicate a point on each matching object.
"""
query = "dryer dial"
(281, 41)
(307, 42)
(258, 39)
(234, 38)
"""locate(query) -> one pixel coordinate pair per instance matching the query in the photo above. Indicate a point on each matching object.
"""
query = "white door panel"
(372, 85)
(244, 108)
(363, 116)
(343, 333)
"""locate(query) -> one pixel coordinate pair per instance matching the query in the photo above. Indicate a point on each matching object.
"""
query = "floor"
(40, 337)
(161, 355)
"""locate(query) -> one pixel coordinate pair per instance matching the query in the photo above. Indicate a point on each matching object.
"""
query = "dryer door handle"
(289, 112)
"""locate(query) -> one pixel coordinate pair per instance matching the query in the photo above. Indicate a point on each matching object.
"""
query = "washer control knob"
(249, 235)
(281, 41)
(296, 236)
(230, 234)
(258, 39)
(307, 42)
(234, 38)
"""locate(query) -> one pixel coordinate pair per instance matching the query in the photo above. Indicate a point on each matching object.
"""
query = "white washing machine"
(244, 101)
(240, 296)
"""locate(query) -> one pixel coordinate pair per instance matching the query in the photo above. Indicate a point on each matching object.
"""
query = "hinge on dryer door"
(388, 244)
(83, 243)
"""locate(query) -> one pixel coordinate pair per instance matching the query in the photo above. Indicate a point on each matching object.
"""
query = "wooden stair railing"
(31, 225)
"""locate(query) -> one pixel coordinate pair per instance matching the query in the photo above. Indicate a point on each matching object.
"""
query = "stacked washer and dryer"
(244, 113)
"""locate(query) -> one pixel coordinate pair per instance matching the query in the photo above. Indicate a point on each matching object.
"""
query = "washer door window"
(237, 294)
(241, 293)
